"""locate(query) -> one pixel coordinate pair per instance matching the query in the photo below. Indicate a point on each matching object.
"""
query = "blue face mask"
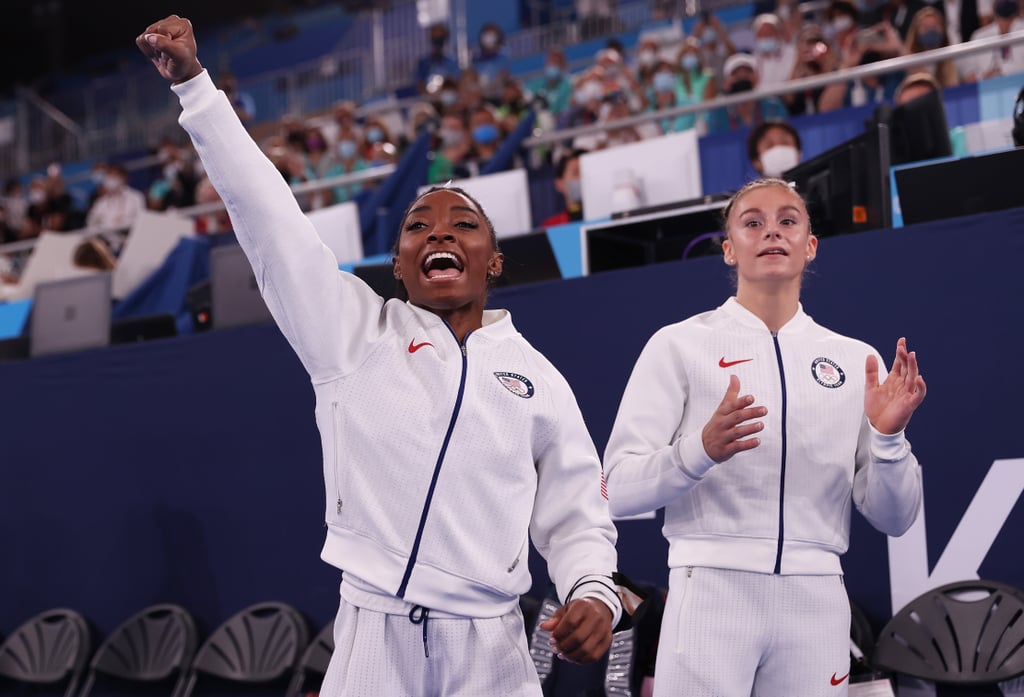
(485, 134)
(709, 36)
(929, 39)
(767, 45)
(552, 72)
(347, 149)
(690, 62)
(664, 82)
(374, 135)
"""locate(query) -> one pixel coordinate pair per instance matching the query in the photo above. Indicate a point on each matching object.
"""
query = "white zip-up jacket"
(783, 506)
(439, 458)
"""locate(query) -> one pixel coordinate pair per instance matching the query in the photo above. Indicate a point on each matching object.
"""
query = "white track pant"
(741, 634)
(381, 655)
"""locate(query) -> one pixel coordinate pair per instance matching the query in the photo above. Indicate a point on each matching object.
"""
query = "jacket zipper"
(782, 468)
(334, 434)
(437, 469)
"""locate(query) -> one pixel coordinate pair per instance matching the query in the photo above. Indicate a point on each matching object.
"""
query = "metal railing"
(883, 67)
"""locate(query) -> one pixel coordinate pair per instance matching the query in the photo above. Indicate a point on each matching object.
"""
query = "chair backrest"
(258, 644)
(315, 660)
(149, 646)
(966, 633)
(48, 648)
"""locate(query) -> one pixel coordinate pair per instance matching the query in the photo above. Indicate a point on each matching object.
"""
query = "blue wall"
(188, 470)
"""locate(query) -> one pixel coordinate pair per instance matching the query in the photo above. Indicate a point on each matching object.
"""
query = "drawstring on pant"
(419, 615)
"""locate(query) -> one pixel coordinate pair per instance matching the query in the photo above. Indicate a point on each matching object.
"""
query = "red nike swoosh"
(722, 363)
(413, 348)
(839, 681)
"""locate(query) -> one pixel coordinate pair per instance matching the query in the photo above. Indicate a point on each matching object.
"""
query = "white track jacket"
(784, 506)
(439, 459)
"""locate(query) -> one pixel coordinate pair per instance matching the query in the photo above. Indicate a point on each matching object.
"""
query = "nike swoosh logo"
(722, 363)
(413, 348)
(839, 681)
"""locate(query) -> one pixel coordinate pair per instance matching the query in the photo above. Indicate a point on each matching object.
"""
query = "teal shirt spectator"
(554, 88)
(348, 191)
(726, 119)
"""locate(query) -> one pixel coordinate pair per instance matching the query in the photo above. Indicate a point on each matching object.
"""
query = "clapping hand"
(890, 405)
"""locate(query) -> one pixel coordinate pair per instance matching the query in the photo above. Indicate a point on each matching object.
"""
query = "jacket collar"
(795, 325)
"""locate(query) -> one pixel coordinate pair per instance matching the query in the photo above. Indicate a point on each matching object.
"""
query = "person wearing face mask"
(928, 32)
(773, 148)
(452, 152)
(553, 87)
(117, 205)
(375, 136)
(432, 68)
(774, 49)
(741, 76)
(647, 61)
(843, 18)
(486, 135)
(715, 45)
(695, 82)
(587, 100)
(489, 61)
(348, 160)
(569, 185)
(1002, 61)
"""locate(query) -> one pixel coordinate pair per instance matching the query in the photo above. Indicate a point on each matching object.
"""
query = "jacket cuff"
(693, 460)
(600, 588)
(192, 93)
(888, 447)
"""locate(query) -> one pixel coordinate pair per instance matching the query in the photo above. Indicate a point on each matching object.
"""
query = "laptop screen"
(71, 315)
(235, 299)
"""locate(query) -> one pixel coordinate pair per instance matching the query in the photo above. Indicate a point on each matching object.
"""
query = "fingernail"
(151, 38)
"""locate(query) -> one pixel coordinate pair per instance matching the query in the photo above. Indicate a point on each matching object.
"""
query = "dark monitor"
(917, 130)
(654, 238)
(381, 278)
(847, 188)
(964, 186)
(528, 258)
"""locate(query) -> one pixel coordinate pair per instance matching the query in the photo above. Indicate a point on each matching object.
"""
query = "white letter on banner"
(969, 544)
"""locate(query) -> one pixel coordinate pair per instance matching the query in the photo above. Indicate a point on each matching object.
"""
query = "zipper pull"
(463, 347)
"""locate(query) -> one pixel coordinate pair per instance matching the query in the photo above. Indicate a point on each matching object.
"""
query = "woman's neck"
(774, 305)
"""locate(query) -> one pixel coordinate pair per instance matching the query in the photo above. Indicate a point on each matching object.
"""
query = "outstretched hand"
(890, 405)
(581, 630)
(726, 432)
(171, 45)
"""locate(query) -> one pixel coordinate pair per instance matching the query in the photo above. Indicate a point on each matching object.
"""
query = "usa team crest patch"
(827, 373)
(516, 384)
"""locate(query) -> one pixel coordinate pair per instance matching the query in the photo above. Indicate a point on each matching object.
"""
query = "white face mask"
(647, 58)
(778, 159)
(842, 23)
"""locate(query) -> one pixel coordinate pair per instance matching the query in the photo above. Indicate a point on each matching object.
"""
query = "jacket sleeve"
(571, 526)
(647, 464)
(887, 487)
(324, 313)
